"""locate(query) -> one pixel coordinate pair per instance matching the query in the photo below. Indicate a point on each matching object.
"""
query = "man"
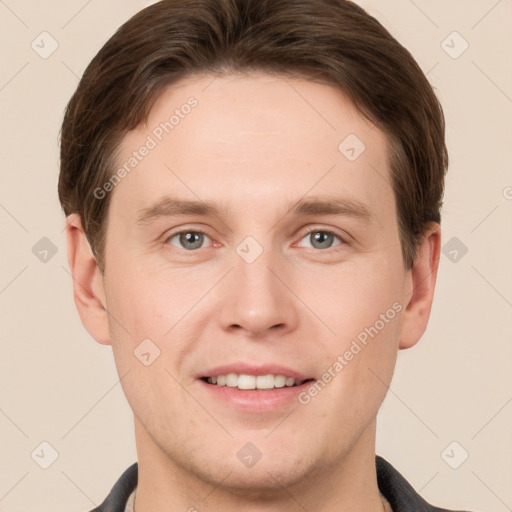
(252, 191)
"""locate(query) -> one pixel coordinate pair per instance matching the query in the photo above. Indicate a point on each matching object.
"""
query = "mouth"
(253, 388)
(248, 382)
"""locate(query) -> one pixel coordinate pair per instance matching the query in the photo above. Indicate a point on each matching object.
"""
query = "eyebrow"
(329, 205)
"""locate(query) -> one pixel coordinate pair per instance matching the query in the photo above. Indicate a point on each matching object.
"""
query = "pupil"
(191, 240)
(323, 239)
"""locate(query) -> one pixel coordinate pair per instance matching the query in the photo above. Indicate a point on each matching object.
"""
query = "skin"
(255, 147)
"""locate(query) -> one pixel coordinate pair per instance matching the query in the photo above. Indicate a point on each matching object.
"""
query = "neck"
(345, 485)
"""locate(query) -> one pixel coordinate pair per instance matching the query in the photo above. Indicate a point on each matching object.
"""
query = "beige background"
(59, 386)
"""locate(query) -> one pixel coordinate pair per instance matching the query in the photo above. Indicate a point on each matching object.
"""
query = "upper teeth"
(243, 381)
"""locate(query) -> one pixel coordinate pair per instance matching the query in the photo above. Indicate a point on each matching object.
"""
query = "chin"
(261, 477)
(265, 479)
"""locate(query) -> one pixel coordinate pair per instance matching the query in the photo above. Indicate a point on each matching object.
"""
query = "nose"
(257, 298)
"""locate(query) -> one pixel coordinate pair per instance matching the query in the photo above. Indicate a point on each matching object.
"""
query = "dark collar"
(399, 493)
(393, 486)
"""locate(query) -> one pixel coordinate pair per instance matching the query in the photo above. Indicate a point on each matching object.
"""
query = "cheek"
(154, 315)
(149, 302)
(359, 356)
(353, 296)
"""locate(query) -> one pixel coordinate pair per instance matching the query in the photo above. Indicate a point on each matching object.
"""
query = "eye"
(321, 239)
(188, 240)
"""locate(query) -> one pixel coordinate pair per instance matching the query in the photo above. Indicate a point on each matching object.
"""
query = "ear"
(88, 287)
(422, 281)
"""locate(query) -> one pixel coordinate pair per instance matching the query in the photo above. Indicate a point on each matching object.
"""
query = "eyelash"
(312, 230)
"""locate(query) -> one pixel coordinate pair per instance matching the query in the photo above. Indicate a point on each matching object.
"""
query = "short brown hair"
(327, 41)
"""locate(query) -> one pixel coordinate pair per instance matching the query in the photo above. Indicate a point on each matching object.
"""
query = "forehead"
(254, 137)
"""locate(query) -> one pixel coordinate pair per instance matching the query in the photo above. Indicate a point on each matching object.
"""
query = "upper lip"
(253, 369)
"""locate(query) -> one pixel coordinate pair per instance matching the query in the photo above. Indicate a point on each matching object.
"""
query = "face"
(253, 244)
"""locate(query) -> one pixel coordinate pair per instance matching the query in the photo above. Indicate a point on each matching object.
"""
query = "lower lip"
(257, 400)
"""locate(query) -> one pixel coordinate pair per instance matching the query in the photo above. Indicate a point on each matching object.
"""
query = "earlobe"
(422, 281)
(88, 289)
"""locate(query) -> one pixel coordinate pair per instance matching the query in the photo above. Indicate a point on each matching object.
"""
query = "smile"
(258, 382)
